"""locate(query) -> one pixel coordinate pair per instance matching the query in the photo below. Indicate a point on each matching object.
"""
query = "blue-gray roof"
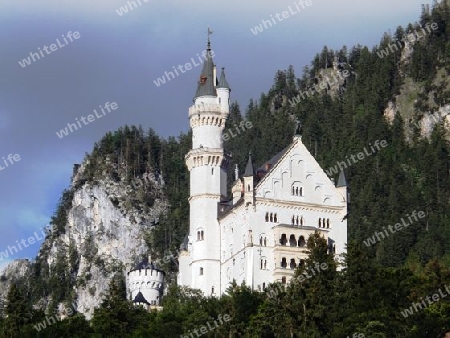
(223, 81)
(206, 83)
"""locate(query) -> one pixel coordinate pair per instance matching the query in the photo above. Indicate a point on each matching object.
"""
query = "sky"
(117, 58)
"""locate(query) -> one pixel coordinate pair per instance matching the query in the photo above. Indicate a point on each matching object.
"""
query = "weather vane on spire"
(209, 33)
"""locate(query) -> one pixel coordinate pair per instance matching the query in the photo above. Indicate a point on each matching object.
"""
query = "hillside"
(129, 199)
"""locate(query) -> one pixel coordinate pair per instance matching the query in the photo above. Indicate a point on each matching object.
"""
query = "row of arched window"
(263, 264)
(297, 191)
(297, 220)
(271, 217)
(292, 263)
(292, 240)
(324, 223)
(263, 241)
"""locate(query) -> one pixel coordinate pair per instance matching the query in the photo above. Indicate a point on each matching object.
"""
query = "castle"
(259, 236)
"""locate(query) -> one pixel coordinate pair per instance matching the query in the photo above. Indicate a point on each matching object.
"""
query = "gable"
(297, 177)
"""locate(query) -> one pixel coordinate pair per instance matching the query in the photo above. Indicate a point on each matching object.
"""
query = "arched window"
(260, 240)
(301, 241)
(323, 222)
(248, 187)
(292, 240)
(267, 217)
(301, 191)
(283, 239)
(283, 263)
(283, 280)
(292, 265)
(293, 219)
(265, 264)
(296, 191)
(271, 217)
(261, 264)
(320, 223)
(201, 271)
(202, 235)
(296, 221)
(328, 223)
(301, 221)
(265, 241)
(275, 218)
(302, 262)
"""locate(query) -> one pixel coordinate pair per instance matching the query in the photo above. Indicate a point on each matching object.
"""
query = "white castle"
(258, 237)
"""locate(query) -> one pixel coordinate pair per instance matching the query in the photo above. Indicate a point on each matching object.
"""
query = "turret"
(223, 92)
(249, 195)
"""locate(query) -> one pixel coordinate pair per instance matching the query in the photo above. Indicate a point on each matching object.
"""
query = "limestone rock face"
(13, 271)
(104, 234)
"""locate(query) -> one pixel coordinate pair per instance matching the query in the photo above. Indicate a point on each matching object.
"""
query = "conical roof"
(249, 171)
(223, 81)
(206, 83)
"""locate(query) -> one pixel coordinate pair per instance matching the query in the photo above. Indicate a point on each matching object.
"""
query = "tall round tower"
(207, 163)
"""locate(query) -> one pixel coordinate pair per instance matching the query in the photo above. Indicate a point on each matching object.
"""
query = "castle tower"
(145, 284)
(207, 164)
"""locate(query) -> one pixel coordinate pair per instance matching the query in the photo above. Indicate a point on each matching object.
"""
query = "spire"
(249, 172)
(342, 182)
(206, 84)
(223, 81)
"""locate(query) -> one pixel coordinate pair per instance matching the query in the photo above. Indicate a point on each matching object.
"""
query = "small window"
(212, 171)
(201, 271)
(275, 218)
(328, 223)
(267, 217)
(283, 280)
(265, 241)
(320, 223)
